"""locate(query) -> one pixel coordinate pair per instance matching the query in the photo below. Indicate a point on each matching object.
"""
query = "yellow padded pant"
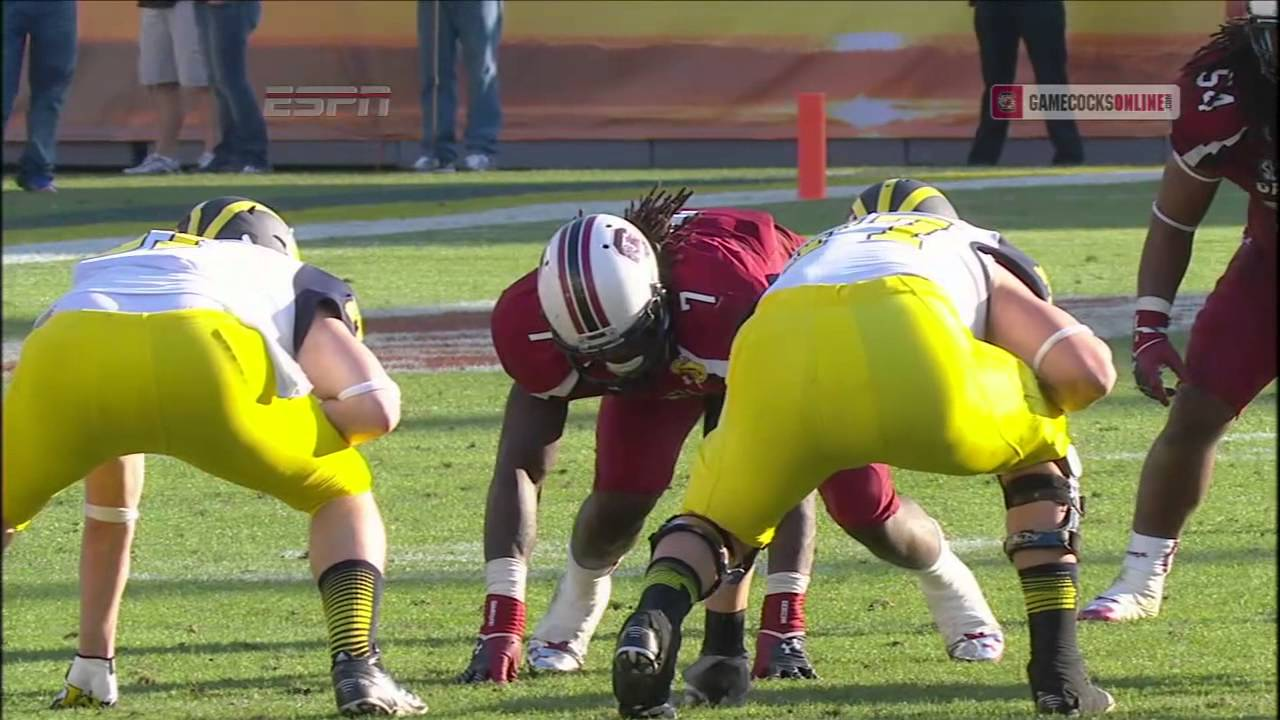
(197, 385)
(828, 377)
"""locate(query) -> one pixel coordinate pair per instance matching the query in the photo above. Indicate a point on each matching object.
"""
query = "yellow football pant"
(197, 385)
(828, 377)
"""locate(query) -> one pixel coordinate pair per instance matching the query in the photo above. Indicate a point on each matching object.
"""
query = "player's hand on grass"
(496, 659)
(1152, 353)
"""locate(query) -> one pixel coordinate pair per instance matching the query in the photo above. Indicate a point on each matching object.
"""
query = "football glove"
(1152, 352)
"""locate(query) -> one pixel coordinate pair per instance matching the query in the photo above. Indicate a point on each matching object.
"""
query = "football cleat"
(362, 686)
(1072, 698)
(718, 681)
(559, 643)
(783, 657)
(552, 657)
(1123, 603)
(90, 682)
(495, 658)
(644, 665)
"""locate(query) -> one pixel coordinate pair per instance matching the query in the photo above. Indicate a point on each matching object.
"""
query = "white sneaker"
(1122, 602)
(559, 643)
(960, 611)
(205, 159)
(154, 164)
(429, 163)
(90, 682)
(478, 162)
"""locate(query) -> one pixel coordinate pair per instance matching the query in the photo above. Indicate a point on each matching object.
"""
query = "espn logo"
(1085, 102)
(324, 100)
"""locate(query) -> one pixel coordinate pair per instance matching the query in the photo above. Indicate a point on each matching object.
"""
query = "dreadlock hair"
(1231, 47)
(652, 216)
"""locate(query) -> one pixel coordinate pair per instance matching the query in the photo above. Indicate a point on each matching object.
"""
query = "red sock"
(783, 614)
(503, 615)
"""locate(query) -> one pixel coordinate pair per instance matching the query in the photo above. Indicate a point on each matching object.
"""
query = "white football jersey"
(883, 244)
(266, 290)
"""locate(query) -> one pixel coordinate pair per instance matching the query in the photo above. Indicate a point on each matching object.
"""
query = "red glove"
(496, 657)
(1152, 352)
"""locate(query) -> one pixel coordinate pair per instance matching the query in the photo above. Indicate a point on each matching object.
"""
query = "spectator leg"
(226, 154)
(997, 31)
(233, 23)
(168, 101)
(52, 64)
(437, 47)
(1044, 29)
(480, 32)
(15, 44)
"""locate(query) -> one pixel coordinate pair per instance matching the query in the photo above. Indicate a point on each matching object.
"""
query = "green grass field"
(221, 619)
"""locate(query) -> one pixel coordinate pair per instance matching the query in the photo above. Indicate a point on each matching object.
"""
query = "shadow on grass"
(318, 647)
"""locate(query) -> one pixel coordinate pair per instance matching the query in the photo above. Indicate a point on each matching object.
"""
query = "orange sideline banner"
(639, 70)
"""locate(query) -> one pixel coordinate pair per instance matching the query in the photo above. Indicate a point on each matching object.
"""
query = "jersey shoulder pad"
(522, 341)
(1023, 266)
(313, 289)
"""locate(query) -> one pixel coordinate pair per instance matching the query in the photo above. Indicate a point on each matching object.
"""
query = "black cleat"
(363, 687)
(1072, 697)
(644, 665)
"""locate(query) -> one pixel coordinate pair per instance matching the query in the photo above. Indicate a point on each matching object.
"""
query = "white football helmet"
(599, 289)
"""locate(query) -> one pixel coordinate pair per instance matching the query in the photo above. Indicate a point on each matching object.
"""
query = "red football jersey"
(721, 261)
(1213, 138)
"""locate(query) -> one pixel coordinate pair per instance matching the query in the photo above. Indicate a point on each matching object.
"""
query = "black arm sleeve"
(315, 289)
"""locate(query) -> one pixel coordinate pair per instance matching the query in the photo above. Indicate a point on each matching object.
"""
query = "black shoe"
(1072, 697)
(644, 665)
(718, 681)
(363, 687)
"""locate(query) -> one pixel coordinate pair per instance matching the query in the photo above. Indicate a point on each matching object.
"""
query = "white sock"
(1149, 555)
(786, 582)
(506, 576)
(584, 579)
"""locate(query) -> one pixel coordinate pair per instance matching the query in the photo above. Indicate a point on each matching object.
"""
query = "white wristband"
(1054, 339)
(365, 388)
(1154, 303)
(1170, 221)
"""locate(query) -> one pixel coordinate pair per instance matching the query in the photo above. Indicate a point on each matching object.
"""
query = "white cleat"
(552, 657)
(90, 682)
(559, 643)
(1120, 604)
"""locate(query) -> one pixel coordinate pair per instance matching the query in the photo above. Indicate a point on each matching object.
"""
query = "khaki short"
(169, 47)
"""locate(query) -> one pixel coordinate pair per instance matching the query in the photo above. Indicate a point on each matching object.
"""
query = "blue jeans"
(224, 37)
(476, 25)
(51, 27)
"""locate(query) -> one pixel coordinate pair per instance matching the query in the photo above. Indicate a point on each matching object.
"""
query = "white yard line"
(542, 212)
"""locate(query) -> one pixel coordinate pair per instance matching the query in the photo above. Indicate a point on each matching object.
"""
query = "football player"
(214, 344)
(912, 339)
(642, 311)
(1226, 129)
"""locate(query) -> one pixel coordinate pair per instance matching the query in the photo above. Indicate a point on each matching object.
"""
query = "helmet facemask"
(630, 358)
(1262, 36)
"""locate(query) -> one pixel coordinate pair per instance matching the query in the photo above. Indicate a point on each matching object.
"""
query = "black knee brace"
(1040, 487)
(717, 541)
